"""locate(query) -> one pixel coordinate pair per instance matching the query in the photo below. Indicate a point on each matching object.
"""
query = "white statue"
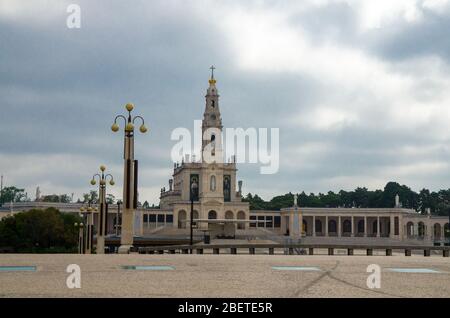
(397, 201)
(295, 199)
(38, 194)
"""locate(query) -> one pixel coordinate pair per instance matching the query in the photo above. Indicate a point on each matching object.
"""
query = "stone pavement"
(224, 276)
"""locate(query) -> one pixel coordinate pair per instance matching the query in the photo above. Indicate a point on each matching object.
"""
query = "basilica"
(209, 183)
(208, 186)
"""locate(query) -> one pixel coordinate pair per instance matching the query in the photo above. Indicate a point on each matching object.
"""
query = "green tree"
(110, 199)
(92, 197)
(12, 194)
(39, 231)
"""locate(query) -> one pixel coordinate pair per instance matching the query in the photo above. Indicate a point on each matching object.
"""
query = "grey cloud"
(60, 90)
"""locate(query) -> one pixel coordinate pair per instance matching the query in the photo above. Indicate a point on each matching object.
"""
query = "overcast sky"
(360, 90)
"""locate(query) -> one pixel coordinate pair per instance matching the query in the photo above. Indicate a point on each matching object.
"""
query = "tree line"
(437, 201)
(39, 231)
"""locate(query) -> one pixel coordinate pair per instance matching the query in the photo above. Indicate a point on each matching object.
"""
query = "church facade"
(210, 182)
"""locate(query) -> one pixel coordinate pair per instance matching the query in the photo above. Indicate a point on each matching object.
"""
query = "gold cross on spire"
(212, 81)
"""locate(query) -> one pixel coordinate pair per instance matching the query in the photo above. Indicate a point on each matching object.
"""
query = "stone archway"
(347, 227)
(446, 230)
(212, 215)
(410, 229)
(229, 215)
(182, 219)
(241, 216)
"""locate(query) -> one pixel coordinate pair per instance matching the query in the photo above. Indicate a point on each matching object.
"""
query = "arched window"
(446, 230)
(213, 144)
(375, 227)
(410, 229)
(212, 183)
(347, 226)
(212, 215)
(229, 215)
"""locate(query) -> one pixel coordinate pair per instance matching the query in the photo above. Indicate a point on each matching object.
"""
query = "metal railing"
(293, 248)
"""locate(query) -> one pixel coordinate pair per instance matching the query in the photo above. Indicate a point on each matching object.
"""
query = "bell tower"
(212, 125)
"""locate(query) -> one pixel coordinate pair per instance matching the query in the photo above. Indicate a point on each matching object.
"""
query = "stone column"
(378, 226)
(339, 226)
(392, 220)
(366, 228)
(314, 226)
(353, 226)
(326, 225)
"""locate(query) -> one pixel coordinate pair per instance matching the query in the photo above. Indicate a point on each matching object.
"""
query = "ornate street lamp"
(80, 237)
(194, 189)
(118, 217)
(130, 178)
(103, 213)
(88, 232)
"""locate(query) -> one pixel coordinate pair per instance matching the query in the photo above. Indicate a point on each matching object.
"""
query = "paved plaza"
(224, 276)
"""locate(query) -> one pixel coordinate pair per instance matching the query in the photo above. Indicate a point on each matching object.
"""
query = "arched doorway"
(182, 219)
(375, 227)
(347, 227)
(212, 215)
(332, 226)
(410, 229)
(446, 231)
(318, 226)
(241, 216)
(229, 215)
(421, 229)
(437, 231)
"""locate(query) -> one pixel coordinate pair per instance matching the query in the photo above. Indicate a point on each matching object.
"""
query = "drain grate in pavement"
(17, 268)
(149, 268)
(296, 268)
(414, 270)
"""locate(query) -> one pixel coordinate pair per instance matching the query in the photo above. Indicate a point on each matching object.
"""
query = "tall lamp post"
(80, 237)
(88, 232)
(118, 217)
(103, 213)
(130, 178)
(194, 189)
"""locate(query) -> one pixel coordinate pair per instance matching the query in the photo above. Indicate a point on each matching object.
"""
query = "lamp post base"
(124, 249)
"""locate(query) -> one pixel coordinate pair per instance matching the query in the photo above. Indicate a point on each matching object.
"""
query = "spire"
(212, 121)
